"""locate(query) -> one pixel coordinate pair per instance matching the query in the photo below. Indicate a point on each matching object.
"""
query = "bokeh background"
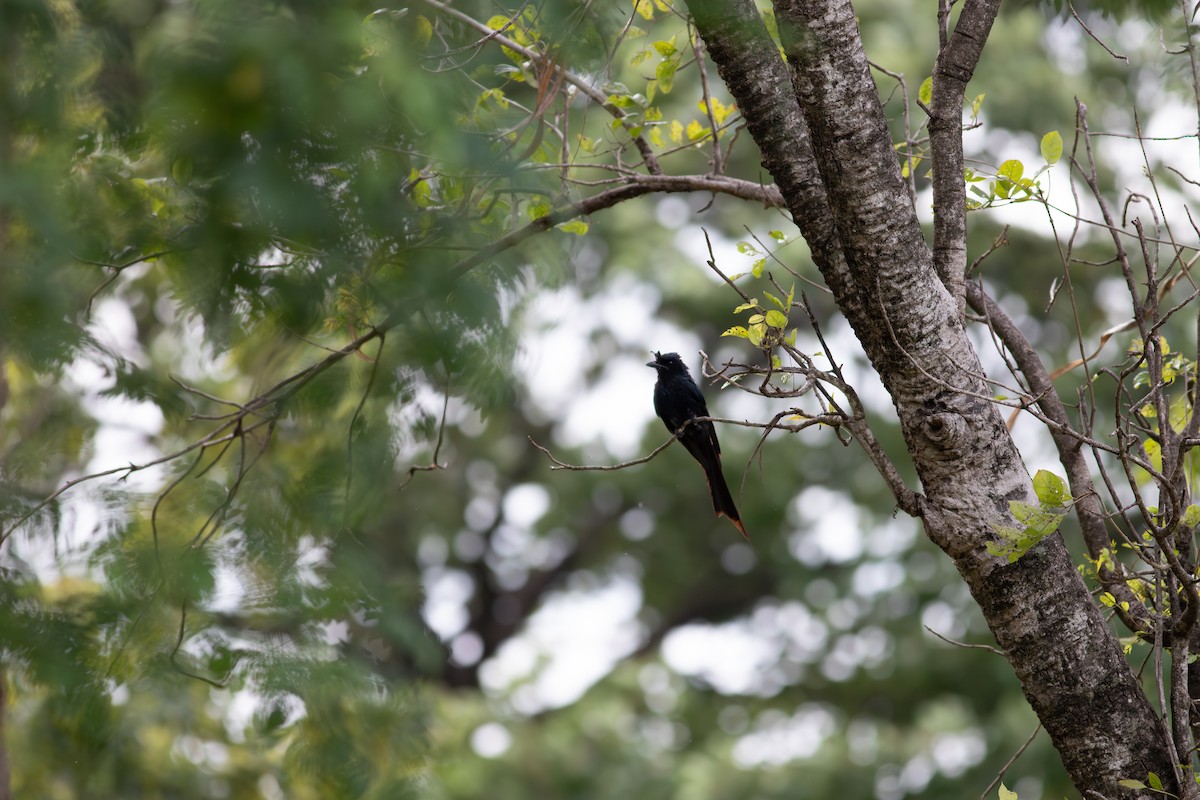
(199, 200)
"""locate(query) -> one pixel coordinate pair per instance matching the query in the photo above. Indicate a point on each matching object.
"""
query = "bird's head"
(667, 363)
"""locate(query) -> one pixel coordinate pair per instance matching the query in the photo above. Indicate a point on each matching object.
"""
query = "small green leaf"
(1012, 169)
(1154, 453)
(1050, 489)
(926, 91)
(666, 49)
(1052, 147)
(665, 73)
(755, 334)
(756, 319)
(1007, 793)
(575, 226)
(736, 330)
(1131, 783)
(976, 104)
(747, 249)
(778, 236)
(777, 319)
(1191, 517)
(746, 306)
(181, 170)
(1155, 782)
(756, 269)
(774, 299)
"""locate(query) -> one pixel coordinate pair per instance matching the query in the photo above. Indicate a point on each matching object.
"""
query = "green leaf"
(1012, 169)
(976, 104)
(926, 92)
(747, 249)
(756, 334)
(665, 73)
(774, 299)
(1154, 453)
(1050, 489)
(666, 49)
(575, 226)
(736, 330)
(422, 32)
(778, 236)
(757, 318)
(1155, 782)
(1006, 793)
(777, 319)
(181, 170)
(746, 306)
(1191, 517)
(1052, 147)
(1131, 783)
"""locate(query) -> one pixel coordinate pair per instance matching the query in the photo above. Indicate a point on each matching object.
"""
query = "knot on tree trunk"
(944, 429)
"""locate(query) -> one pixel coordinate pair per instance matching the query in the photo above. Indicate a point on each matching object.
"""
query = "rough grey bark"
(857, 216)
(951, 72)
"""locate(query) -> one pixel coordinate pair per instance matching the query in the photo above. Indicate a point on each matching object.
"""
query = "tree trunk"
(824, 138)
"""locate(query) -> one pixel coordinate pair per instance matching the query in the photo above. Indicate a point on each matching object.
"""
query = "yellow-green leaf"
(676, 131)
(665, 73)
(1050, 489)
(181, 170)
(1012, 169)
(926, 91)
(777, 319)
(422, 32)
(575, 226)
(737, 330)
(1052, 147)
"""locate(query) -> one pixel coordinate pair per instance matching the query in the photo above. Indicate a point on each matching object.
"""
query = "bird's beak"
(654, 364)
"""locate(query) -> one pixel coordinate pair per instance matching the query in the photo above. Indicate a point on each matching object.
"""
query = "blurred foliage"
(348, 589)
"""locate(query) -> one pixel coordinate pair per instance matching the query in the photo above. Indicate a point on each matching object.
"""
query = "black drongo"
(677, 399)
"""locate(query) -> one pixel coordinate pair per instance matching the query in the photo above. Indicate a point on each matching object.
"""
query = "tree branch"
(951, 72)
(767, 195)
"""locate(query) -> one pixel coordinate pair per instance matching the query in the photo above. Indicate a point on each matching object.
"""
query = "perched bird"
(677, 399)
